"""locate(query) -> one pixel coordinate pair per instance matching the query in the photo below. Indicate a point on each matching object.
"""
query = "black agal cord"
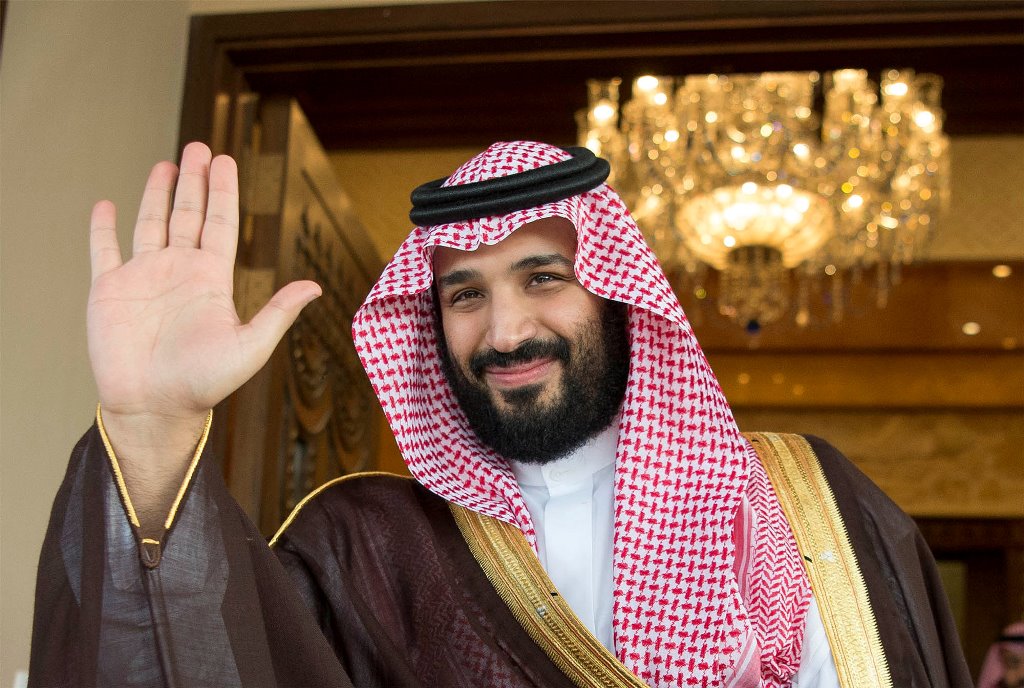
(433, 204)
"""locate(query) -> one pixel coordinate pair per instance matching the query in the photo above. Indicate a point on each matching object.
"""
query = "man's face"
(537, 362)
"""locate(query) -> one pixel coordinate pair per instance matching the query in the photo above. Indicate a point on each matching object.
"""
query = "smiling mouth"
(520, 374)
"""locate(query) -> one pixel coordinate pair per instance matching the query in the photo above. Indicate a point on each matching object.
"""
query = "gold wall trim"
(519, 579)
(831, 564)
(871, 380)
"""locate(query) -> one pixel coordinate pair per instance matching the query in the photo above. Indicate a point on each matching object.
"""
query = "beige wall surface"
(90, 93)
(985, 217)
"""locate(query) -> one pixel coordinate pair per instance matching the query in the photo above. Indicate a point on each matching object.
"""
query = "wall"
(90, 96)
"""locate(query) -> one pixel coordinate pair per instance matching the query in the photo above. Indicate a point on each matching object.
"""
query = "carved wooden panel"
(329, 409)
(310, 415)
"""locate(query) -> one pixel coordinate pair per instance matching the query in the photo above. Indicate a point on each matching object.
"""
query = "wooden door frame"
(992, 552)
(229, 53)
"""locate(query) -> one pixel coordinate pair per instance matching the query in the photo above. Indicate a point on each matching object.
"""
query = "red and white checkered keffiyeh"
(683, 474)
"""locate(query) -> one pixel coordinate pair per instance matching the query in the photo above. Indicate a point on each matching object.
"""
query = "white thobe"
(571, 502)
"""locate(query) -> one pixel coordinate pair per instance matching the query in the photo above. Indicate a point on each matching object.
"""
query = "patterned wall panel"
(949, 464)
(986, 207)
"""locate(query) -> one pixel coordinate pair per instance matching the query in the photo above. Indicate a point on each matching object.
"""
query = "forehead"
(540, 237)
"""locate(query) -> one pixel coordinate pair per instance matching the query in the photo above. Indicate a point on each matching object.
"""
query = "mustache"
(527, 351)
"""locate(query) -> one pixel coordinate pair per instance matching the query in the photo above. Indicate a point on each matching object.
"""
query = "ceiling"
(465, 75)
(461, 75)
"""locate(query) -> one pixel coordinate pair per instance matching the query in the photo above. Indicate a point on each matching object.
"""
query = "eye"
(465, 295)
(545, 278)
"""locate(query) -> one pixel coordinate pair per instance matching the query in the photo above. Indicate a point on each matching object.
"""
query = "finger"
(190, 197)
(267, 327)
(220, 230)
(104, 251)
(151, 225)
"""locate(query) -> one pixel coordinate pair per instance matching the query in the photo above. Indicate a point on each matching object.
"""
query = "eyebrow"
(529, 263)
(457, 277)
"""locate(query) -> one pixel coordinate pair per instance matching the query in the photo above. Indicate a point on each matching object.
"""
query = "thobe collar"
(597, 453)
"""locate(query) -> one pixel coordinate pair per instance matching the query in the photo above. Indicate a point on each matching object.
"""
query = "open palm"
(164, 337)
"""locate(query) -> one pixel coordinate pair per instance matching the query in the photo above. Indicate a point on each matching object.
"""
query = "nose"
(512, 322)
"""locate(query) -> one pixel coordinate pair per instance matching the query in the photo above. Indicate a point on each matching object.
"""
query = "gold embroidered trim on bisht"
(519, 579)
(836, 579)
(116, 467)
(314, 493)
(191, 470)
(119, 477)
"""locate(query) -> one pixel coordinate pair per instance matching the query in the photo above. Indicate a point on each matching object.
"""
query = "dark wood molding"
(992, 554)
(468, 73)
(3, 23)
(963, 534)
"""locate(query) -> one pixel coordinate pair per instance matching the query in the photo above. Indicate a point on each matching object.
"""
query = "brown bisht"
(372, 581)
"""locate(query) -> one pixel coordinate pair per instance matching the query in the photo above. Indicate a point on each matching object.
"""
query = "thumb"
(267, 327)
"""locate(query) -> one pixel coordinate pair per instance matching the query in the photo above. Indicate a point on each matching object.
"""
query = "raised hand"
(165, 340)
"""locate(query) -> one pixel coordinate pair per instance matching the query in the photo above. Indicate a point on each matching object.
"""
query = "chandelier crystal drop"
(777, 177)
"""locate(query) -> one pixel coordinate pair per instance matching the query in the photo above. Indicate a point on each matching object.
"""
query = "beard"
(528, 429)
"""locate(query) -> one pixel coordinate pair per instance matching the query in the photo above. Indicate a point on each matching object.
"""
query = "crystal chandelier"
(775, 178)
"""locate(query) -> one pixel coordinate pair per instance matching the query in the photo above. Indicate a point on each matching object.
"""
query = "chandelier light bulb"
(847, 79)
(647, 83)
(896, 88)
(924, 119)
(604, 112)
